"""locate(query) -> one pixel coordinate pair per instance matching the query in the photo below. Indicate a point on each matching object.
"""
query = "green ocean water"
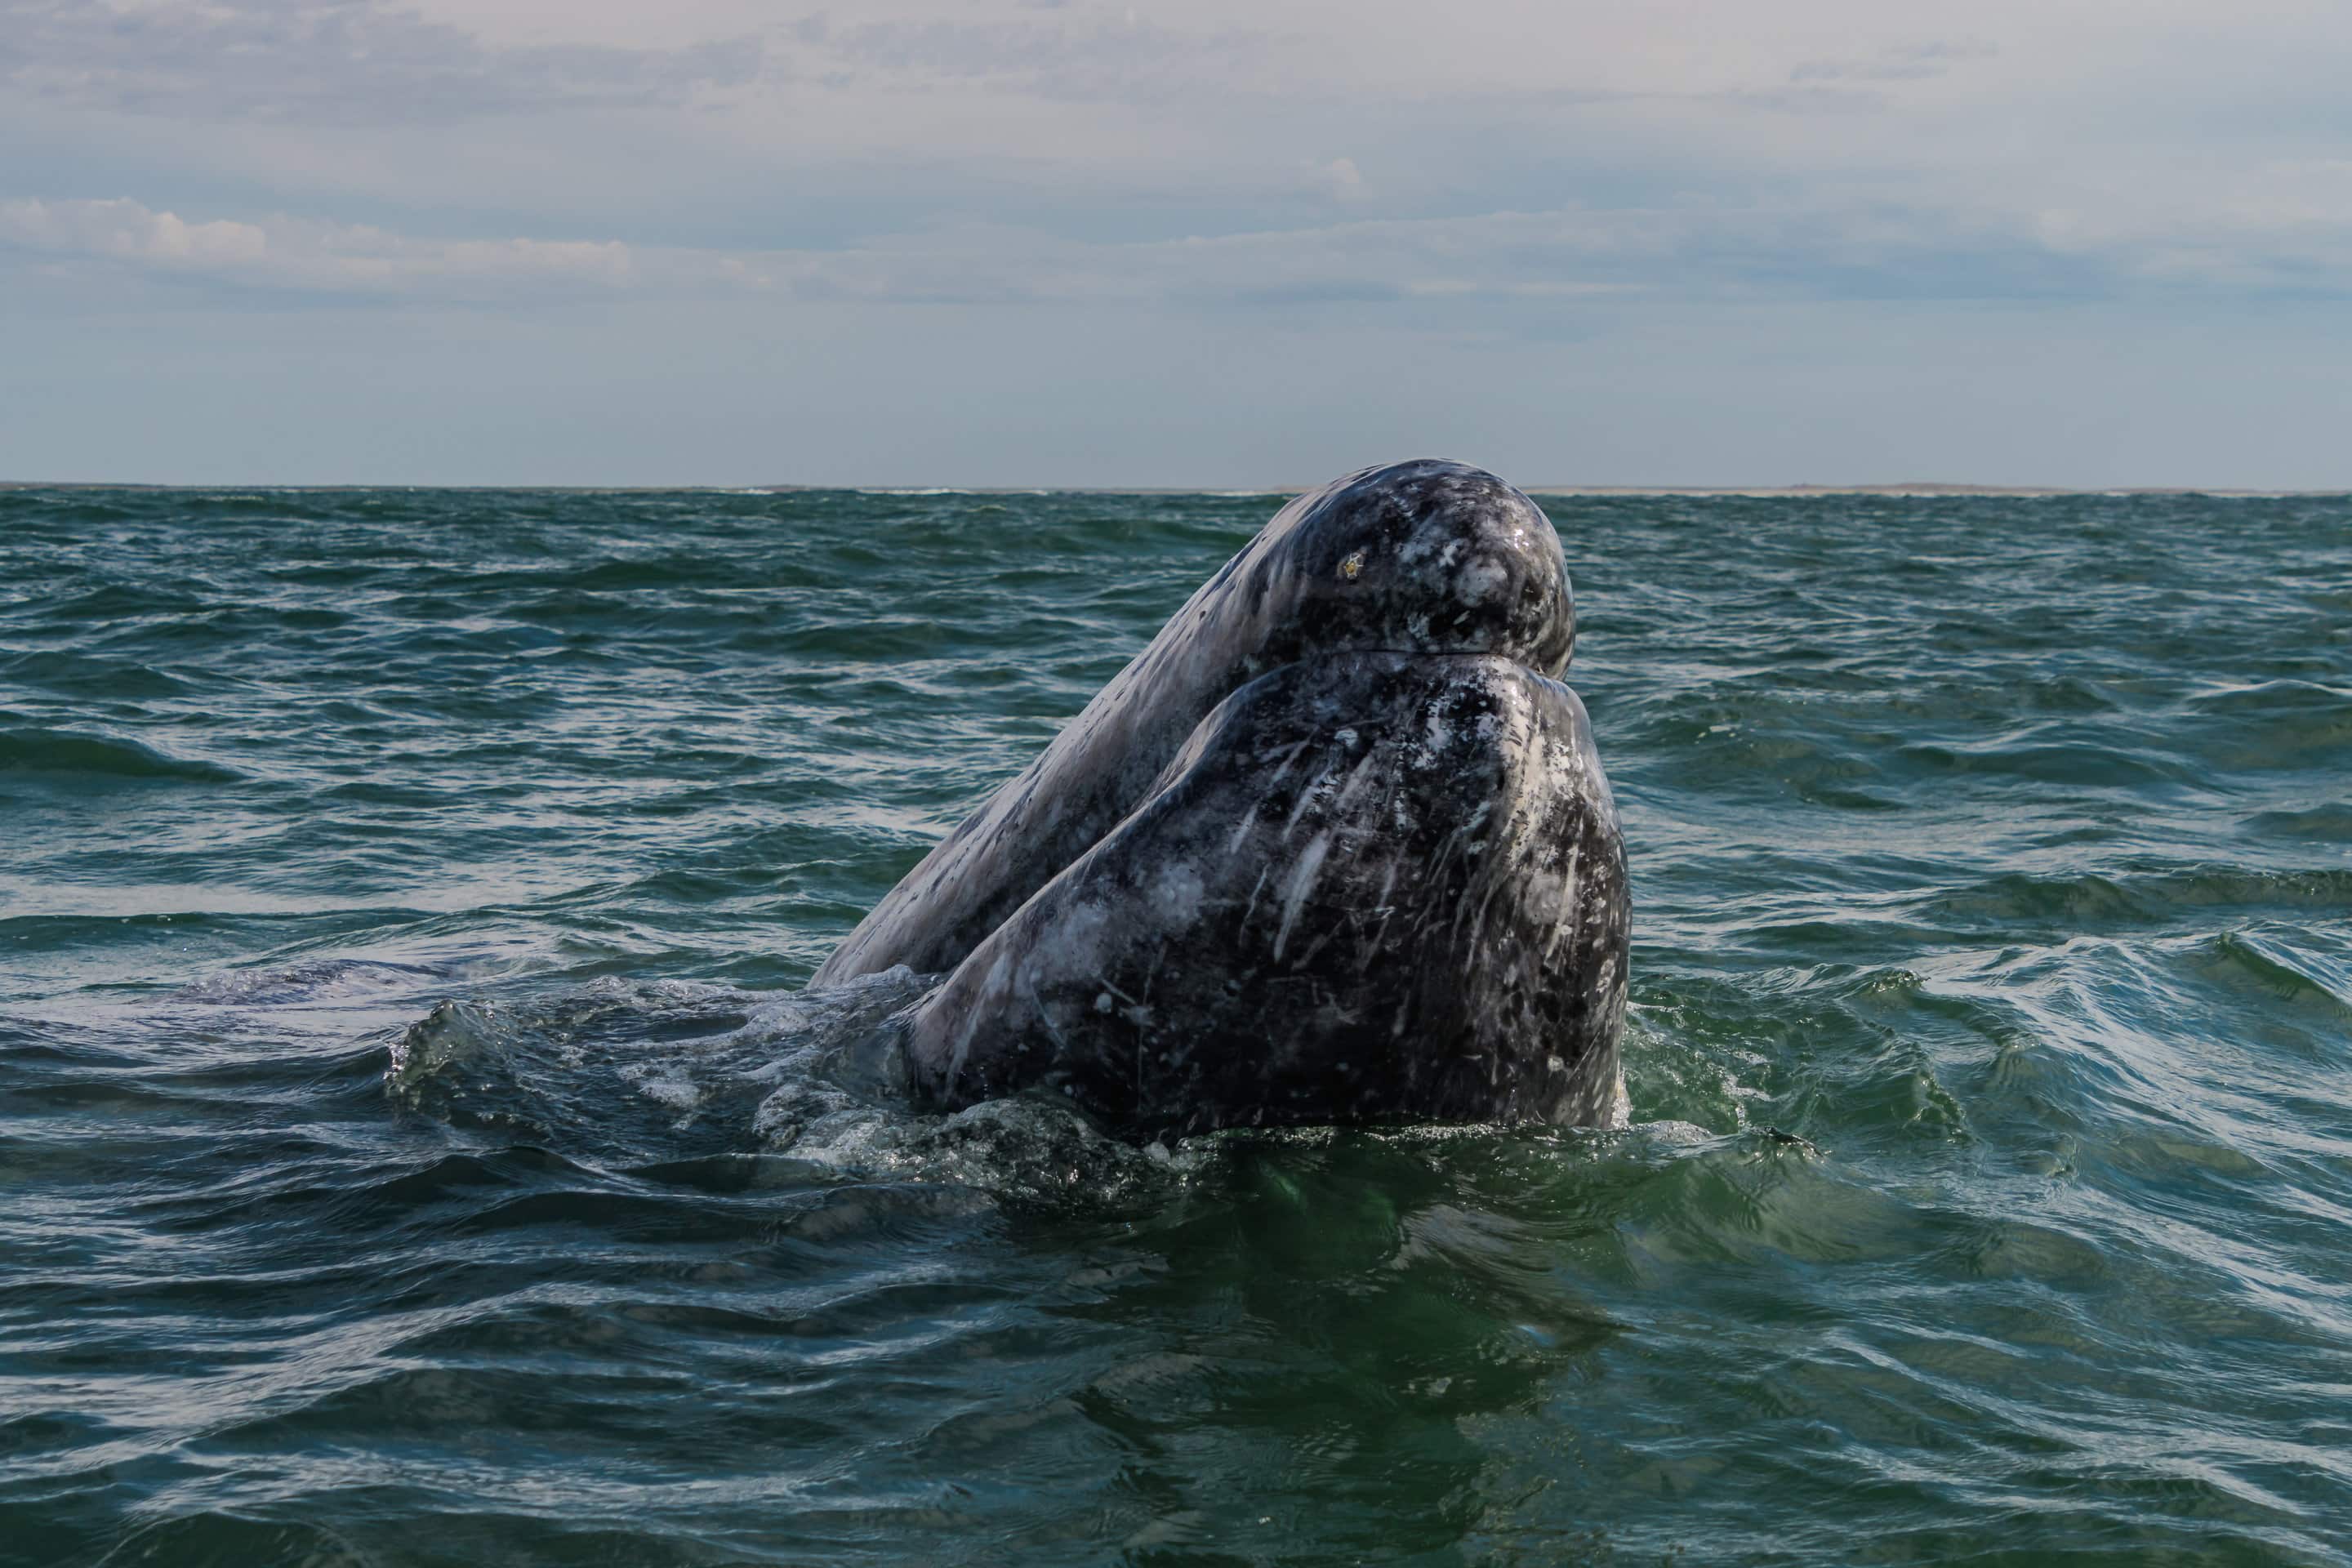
(417, 1147)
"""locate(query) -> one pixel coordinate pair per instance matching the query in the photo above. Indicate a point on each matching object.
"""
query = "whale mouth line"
(1354, 650)
(1438, 653)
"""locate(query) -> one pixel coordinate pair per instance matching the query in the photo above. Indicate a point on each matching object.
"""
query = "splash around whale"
(1335, 847)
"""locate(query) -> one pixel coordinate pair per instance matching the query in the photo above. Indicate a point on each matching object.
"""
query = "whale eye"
(1353, 566)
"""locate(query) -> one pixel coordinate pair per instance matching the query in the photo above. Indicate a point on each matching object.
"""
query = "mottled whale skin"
(1335, 847)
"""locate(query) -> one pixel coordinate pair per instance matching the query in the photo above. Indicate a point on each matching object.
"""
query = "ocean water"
(416, 1146)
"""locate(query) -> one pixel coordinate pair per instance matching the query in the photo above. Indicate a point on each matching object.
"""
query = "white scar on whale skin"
(1249, 819)
(998, 983)
(1256, 887)
(1302, 883)
(1307, 797)
(1289, 755)
(1356, 777)
(1387, 911)
(1563, 928)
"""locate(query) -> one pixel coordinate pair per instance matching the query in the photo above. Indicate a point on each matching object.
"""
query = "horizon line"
(1930, 488)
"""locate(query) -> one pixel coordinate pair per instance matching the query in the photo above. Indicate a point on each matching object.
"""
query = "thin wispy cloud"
(1896, 62)
(1083, 58)
(295, 254)
(2298, 234)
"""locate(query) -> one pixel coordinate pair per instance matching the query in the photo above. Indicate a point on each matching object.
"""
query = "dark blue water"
(415, 1147)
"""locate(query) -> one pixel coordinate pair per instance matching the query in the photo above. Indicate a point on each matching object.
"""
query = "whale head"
(1427, 556)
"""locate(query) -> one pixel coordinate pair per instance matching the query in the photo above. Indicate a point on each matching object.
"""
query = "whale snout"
(1426, 557)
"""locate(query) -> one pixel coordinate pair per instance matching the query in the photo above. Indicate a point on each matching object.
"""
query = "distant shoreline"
(1909, 488)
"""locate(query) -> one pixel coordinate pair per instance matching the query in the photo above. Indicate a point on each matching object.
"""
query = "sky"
(1015, 242)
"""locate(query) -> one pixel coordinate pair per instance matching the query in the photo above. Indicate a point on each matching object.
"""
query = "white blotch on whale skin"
(1075, 948)
(1440, 734)
(1176, 894)
(1480, 581)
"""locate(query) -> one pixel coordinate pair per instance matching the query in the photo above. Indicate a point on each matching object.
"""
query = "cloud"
(1117, 58)
(125, 231)
(1002, 153)
(1344, 180)
(330, 61)
(1363, 261)
(1896, 62)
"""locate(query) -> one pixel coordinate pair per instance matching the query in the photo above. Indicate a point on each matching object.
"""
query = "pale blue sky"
(996, 242)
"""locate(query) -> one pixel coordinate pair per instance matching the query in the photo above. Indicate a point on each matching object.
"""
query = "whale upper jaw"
(1423, 556)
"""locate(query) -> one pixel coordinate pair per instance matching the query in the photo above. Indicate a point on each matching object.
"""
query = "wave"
(2282, 971)
(73, 754)
(2145, 898)
(317, 981)
(2330, 821)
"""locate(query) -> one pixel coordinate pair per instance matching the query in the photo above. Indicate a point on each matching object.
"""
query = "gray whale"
(1335, 847)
